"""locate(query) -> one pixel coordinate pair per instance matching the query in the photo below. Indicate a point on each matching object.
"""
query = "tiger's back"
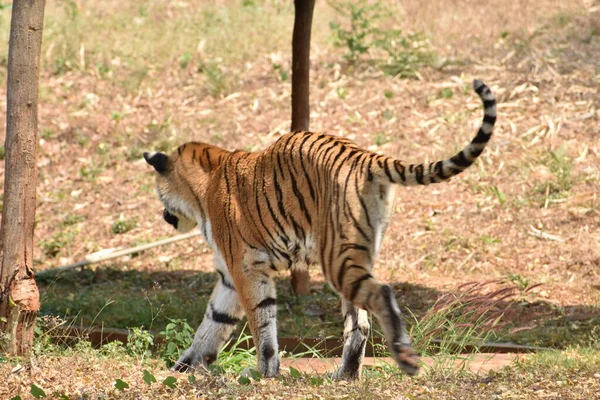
(308, 199)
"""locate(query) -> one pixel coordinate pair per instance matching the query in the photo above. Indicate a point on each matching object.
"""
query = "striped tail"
(439, 171)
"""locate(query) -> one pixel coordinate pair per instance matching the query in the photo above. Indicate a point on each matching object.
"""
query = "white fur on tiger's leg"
(356, 333)
(258, 291)
(223, 313)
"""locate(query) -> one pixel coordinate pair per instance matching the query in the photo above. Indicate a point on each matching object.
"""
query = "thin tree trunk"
(301, 64)
(19, 295)
(300, 96)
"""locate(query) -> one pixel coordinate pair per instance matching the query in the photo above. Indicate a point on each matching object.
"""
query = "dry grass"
(121, 78)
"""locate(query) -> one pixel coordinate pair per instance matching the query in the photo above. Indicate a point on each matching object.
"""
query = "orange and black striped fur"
(309, 198)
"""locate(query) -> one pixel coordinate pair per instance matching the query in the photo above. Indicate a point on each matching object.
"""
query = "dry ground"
(527, 213)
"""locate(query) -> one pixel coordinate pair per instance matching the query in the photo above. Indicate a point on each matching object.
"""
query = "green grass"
(117, 298)
(136, 37)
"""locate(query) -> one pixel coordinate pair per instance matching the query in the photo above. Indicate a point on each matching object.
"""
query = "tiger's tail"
(439, 171)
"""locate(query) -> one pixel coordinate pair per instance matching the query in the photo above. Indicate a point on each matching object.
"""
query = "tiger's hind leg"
(257, 289)
(354, 281)
(367, 293)
(223, 313)
(356, 333)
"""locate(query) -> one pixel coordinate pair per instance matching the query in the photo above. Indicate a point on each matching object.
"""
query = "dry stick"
(109, 254)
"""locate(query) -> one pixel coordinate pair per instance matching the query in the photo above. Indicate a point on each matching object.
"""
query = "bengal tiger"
(309, 198)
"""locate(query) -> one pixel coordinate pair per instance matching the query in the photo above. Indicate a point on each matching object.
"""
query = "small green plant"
(121, 385)
(90, 173)
(380, 139)
(561, 165)
(149, 378)
(117, 116)
(36, 391)
(446, 93)
(521, 281)
(341, 93)
(73, 219)
(2, 152)
(133, 153)
(52, 246)
(48, 134)
(403, 53)
(184, 60)
(216, 82)
(170, 382)
(123, 225)
(561, 181)
(362, 34)
(178, 335)
(283, 75)
(139, 342)
(235, 359)
(492, 190)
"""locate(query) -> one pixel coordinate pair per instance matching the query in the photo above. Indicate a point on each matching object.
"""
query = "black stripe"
(357, 284)
(489, 103)
(419, 174)
(207, 155)
(308, 180)
(396, 321)
(342, 272)
(480, 88)
(490, 119)
(461, 160)
(224, 281)
(400, 170)
(264, 325)
(481, 137)
(300, 198)
(387, 170)
(439, 170)
(222, 318)
(476, 152)
(267, 302)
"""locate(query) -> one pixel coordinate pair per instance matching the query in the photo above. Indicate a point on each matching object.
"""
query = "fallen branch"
(109, 254)
(543, 235)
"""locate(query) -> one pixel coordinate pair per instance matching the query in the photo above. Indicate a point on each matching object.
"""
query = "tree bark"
(19, 295)
(300, 96)
(301, 63)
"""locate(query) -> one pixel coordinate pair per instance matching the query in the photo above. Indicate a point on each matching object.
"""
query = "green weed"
(397, 53)
(217, 83)
(236, 358)
(123, 225)
(139, 342)
(53, 246)
(178, 336)
(90, 173)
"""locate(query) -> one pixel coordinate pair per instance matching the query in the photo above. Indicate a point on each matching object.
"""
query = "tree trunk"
(19, 296)
(301, 64)
(300, 96)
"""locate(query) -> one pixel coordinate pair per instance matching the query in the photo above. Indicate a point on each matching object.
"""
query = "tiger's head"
(174, 192)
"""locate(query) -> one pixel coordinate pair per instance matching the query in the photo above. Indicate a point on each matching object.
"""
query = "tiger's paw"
(407, 359)
(193, 362)
(343, 374)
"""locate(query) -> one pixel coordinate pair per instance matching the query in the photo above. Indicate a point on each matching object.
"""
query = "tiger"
(309, 198)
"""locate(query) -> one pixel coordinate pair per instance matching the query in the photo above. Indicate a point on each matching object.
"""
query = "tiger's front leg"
(258, 297)
(223, 313)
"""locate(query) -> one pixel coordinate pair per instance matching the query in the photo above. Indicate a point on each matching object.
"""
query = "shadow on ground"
(118, 298)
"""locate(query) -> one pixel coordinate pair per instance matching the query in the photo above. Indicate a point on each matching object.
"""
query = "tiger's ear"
(157, 160)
